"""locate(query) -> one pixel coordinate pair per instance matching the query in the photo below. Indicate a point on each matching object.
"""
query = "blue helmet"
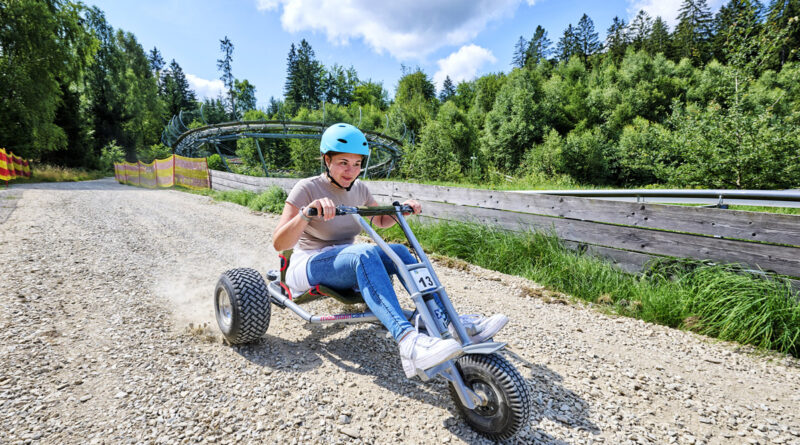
(344, 138)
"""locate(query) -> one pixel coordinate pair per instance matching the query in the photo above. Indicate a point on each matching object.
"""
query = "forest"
(712, 103)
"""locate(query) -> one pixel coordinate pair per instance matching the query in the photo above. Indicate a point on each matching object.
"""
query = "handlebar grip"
(312, 211)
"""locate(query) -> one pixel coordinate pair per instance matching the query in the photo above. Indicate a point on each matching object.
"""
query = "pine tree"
(292, 93)
(156, 62)
(617, 39)
(567, 44)
(306, 77)
(640, 29)
(520, 58)
(448, 90)
(783, 21)
(693, 32)
(658, 41)
(539, 46)
(586, 38)
(224, 64)
(176, 91)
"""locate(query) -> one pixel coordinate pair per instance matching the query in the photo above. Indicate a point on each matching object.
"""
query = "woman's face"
(344, 167)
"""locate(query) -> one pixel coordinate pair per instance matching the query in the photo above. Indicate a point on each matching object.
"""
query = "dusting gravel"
(107, 335)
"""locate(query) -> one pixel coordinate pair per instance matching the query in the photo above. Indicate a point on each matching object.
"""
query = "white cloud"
(407, 29)
(668, 10)
(462, 64)
(205, 88)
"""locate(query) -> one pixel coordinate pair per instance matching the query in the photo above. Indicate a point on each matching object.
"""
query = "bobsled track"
(385, 151)
(107, 334)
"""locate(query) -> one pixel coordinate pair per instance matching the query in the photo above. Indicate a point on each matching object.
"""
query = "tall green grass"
(719, 301)
(270, 200)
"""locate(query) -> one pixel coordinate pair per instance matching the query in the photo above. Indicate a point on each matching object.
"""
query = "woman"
(325, 253)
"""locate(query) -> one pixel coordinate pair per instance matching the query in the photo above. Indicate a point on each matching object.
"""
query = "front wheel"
(508, 402)
(241, 305)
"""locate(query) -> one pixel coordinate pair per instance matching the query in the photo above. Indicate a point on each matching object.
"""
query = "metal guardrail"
(715, 197)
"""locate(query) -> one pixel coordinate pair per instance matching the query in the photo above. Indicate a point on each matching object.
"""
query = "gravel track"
(107, 336)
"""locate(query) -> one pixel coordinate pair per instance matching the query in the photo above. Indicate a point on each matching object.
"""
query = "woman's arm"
(384, 221)
(292, 224)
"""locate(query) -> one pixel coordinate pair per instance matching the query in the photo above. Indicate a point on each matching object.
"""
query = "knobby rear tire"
(245, 318)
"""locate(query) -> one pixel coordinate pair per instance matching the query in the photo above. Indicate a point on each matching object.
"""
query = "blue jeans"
(368, 267)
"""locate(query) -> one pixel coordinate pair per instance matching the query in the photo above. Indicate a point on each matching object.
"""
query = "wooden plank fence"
(626, 233)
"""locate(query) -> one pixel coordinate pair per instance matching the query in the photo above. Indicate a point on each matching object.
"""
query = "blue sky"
(459, 38)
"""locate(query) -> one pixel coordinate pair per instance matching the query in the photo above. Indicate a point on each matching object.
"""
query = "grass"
(270, 200)
(722, 301)
(781, 210)
(54, 173)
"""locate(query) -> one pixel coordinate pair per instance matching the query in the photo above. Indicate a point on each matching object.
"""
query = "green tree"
(175, 90)
(370, 93)
(587, 40)
(616, 39)
(156, 62)
(640, 30)
(485, 91)
(516, 122)
(414, 103)
(693, 32)
(304, 78)
(122, 92)
(736, 22)
(783, 20)
(43, 52)
(735, 148)
(465, 95)
(644, 154)
(448, 145)
(568, 44)
(538, 47)
(224, 65)
(245, 95)
(659, 39)
(520, 57)
(586, 156)
(448, 90)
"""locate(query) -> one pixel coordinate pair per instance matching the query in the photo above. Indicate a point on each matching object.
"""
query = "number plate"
(423, 278)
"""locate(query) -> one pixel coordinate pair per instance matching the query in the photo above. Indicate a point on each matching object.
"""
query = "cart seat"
(346, 296)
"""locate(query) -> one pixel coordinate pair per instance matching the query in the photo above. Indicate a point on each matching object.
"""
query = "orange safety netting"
(13, 166)
(174, 170)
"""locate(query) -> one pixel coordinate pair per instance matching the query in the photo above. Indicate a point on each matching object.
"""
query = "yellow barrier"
(174, 170)
(12, 167)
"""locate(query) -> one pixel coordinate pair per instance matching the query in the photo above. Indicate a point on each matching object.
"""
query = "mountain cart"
(486, 388)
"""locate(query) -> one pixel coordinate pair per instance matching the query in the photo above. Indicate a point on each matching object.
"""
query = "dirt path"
(101, 283)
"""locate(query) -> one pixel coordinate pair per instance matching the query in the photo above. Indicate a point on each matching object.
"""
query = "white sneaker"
(480, 328)
(419, 351)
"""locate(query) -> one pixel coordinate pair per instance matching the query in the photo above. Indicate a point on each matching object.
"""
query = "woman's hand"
(414, 204)
(325, 207)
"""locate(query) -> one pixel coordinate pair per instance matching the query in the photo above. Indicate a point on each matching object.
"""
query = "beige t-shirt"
(341, 230)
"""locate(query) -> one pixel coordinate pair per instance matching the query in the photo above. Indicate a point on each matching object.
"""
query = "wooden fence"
(626, 233)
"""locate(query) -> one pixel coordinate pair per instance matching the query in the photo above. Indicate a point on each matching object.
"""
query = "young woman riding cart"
(319, 258)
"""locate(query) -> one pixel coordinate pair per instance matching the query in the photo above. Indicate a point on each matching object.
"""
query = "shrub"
(270, 200)
(215, 162)
(110, 154)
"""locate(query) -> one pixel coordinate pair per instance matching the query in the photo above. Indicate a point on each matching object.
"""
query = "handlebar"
(366, 211)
